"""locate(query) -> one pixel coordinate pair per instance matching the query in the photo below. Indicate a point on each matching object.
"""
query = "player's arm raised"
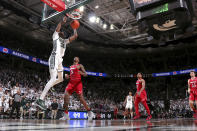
(143, 87)
(59, 26)
(188, 87)
(83, 71)
(74, 37)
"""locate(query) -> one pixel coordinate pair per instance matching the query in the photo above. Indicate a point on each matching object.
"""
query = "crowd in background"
(100, 97)
(177, 109)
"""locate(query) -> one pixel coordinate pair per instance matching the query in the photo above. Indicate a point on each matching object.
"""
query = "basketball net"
(75, 14)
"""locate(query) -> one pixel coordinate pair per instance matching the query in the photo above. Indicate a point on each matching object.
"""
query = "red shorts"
(193, 96)
(75, 86)
(142, 97)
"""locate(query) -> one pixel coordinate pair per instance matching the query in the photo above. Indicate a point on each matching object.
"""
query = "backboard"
(52, 11)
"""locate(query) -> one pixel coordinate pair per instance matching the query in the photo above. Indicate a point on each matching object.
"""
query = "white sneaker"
(90, 115)
(65, 117)
(21, 118)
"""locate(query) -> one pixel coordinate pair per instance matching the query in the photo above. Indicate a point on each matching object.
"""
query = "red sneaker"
(136, 117)
(149, 117)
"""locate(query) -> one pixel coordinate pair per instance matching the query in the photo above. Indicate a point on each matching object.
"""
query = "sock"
(193, 109)
(66, 112)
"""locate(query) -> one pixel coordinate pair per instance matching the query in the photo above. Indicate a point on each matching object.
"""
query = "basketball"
(75, 24)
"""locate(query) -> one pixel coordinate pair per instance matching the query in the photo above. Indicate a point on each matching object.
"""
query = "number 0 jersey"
(139, 85)
(74, 73)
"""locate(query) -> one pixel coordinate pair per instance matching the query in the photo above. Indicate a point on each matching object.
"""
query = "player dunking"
(75, 85)
(192, 90)
(141, 97)
(55, 60)
(129, 105)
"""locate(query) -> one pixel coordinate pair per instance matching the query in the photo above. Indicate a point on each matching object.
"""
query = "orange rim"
(76, 14)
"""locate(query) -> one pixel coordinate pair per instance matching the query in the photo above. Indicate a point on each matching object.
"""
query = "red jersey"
(115, 110)
(139, 85)
(74, 73)
(193, 84)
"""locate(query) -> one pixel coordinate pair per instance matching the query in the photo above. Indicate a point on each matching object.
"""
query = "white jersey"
(129, 99)
(6, 98)
(6, 102)
(129, 104)
(59, 45)
(48, 103)
(23, 90)
(15, 89)
(1, 95)
(1, 98)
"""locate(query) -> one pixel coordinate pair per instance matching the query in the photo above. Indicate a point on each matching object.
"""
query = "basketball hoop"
(75, 15)
(57, 8)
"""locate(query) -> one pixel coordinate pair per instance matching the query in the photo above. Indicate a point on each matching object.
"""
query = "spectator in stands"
(6, 101)
(40, 113)
(54, 109)
(26, 110)
(15, 89)
(115, 112)
(1, 100)
(23, 103)
(60, 103)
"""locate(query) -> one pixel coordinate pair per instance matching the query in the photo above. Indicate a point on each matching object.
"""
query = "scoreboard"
(148, 8)
(142, 3)
(162, 17)
(137, 5)
(167, 7)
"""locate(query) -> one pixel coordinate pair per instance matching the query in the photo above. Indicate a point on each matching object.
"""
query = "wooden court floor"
(99, 125)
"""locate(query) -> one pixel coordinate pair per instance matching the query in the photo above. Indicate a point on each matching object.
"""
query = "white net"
(76, 14)
(69, 2)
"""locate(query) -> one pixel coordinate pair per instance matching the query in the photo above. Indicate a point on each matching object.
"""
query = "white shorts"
(129, 106)
(55, 63)
(6, 106)
(1, 103)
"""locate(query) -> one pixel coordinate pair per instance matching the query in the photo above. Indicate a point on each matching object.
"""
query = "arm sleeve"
(66, 41)
(55, 35)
